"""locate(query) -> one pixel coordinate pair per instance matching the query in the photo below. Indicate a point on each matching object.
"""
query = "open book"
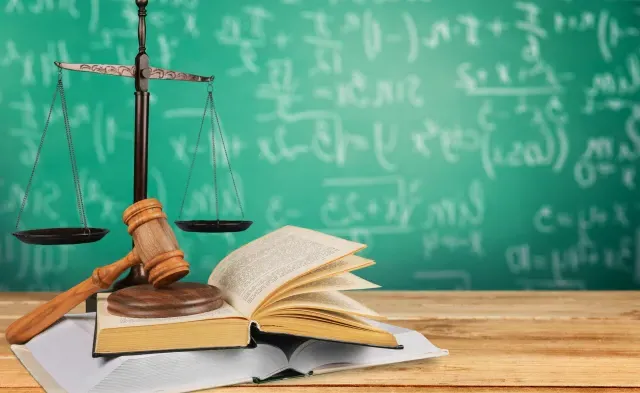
(60, 360)
(287, 282)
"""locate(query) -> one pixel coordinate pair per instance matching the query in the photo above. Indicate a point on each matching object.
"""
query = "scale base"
(175, 300)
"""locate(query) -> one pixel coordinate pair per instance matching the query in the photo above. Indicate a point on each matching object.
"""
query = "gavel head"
(155, 242)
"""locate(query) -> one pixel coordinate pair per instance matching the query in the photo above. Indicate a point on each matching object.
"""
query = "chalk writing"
(346, 208)
(278, 215)
(42, 201)
(327, 51)
(615, 90)
(453, 138)
(607, 28)
(38, 264)
(548, 220)
(453, 141)
(201, 201)
(36, 7)
(522, 259)
(470, 242)
(247, 33)
(606, 156)
(361, 93)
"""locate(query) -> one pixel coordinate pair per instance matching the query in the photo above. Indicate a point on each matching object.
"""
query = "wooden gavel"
(155, 246)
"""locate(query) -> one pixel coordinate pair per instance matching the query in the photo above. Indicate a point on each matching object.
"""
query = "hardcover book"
(287, 282)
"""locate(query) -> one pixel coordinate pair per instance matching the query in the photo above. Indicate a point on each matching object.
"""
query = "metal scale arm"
(130, 71)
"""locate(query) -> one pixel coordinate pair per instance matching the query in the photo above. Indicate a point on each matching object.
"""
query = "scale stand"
(142, 72)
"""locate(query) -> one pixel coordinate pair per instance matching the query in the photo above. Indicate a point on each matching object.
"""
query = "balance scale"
(141, 72)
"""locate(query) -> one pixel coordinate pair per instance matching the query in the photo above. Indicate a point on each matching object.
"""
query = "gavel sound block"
(157, 249)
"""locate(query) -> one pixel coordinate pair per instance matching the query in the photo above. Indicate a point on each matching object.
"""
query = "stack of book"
(284, 315)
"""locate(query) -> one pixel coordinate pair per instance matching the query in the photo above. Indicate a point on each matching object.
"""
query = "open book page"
(324, 356)
(346, 264)
(285, 342)
(70, 339)
(36, 370)
(190, 371)
(291, 317)
(248, 275)
(342, 265)
(326, 325)
(330, 301)
(108, 320)
(342, 282)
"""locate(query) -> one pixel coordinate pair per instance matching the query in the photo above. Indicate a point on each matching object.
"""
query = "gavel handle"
(32, 324)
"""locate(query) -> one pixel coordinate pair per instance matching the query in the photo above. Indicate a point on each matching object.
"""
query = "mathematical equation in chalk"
(468, 138)
(38, 265)
(49, 201)
(562, 262)
(548, 220)
(606, 236)
(365, 208)
(377, 29)
(611, 156)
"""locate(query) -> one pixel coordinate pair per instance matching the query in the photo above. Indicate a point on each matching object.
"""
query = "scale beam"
(130, 71)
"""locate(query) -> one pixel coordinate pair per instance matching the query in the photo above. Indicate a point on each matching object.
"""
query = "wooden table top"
(497, 341)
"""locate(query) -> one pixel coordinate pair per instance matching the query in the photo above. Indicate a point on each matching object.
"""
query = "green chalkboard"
(471, 145)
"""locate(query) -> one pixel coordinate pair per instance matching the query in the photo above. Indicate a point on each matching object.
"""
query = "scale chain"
(193, 160)
(210, 105)
(74, 168)
(35, 164)
(72, 154)
(213, 106)
(213, 150)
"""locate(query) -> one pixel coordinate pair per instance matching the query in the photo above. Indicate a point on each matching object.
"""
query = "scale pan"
(213, 226)
(58, 236)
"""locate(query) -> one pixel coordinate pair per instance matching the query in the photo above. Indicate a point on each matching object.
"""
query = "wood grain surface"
(569, 342)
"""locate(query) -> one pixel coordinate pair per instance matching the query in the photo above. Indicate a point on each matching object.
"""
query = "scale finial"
(142, 60)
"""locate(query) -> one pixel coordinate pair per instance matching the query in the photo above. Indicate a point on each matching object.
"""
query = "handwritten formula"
(470, 146)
